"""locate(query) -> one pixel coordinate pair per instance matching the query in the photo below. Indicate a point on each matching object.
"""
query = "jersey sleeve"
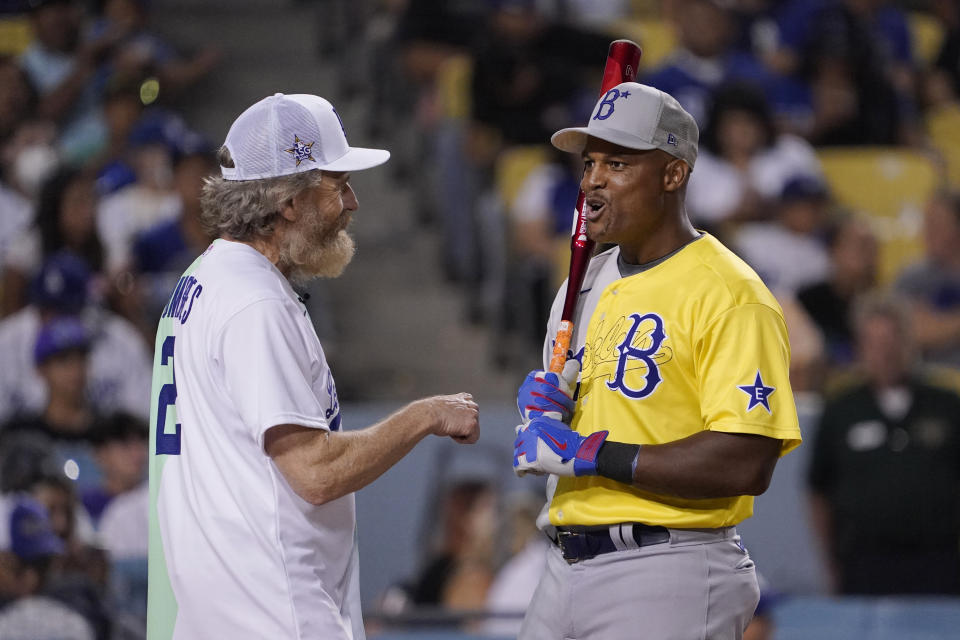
(744, 360)
(268, 369)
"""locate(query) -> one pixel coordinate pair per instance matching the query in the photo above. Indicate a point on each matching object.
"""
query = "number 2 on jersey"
(167, 443)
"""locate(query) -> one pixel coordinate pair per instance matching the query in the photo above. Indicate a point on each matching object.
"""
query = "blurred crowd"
(99, 185)
(829, 161)
(791, 96)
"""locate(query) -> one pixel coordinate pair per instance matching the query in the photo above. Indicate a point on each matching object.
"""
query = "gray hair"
(248, 209)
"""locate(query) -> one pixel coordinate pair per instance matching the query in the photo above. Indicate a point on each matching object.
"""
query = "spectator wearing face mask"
(29, 157)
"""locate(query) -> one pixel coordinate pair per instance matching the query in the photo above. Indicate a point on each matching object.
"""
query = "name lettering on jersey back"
(627, 354)
(181, 302)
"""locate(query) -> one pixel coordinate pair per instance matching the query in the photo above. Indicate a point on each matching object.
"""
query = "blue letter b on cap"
(608, 99)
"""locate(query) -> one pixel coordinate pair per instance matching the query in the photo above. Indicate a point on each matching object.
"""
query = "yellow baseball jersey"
(694, 342)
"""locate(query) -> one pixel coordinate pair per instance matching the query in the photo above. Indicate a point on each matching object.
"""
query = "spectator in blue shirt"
(707, 58)
(857, 57)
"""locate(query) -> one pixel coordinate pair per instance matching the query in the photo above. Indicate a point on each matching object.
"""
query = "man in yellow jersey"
(683, 405)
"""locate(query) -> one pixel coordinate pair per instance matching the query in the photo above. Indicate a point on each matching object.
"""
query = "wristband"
(618, 461)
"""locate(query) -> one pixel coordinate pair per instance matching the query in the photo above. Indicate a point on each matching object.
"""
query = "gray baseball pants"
(700, 585)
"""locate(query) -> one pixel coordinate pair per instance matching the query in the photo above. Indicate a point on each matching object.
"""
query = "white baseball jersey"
(234, 552)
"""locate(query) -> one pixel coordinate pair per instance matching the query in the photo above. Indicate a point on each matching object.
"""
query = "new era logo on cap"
(639, 117)
(286, 134)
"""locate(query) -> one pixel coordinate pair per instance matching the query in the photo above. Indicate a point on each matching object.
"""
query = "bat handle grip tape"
(561, 345)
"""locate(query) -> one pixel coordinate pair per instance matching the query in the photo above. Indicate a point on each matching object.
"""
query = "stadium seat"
(943, 129)
(453, 87)
(926, 35)
(889, 184)
(646, 8)
(15, 35)
(656, 38)
(513, 167)
(944, 376)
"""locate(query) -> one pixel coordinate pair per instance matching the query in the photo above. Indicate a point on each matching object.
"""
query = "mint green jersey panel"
(164, 443)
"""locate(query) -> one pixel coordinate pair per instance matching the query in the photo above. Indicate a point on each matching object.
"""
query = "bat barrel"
(623, 59)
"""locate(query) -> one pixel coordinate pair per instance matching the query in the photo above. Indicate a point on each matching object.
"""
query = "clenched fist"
(457, 416)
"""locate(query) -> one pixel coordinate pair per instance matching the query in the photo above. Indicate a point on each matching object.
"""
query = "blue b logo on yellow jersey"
(627, 354)
(644, 353)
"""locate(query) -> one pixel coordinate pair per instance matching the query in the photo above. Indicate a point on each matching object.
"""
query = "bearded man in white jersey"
(252, 511)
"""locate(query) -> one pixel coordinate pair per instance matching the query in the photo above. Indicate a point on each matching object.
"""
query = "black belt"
(585, 543)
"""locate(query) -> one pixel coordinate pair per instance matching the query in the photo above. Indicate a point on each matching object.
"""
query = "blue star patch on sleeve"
(758, 392)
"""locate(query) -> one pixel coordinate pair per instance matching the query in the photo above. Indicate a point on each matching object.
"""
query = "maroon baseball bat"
(623, 57)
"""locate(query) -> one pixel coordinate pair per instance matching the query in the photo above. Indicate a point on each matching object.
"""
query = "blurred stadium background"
(830, 161)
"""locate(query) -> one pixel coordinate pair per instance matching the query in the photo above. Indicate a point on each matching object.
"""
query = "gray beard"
(327, 259)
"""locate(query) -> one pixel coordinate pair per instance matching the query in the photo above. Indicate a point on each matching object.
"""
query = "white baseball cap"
(286, 134)
(636, 116)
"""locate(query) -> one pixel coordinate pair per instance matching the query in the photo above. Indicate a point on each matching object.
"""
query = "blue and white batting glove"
(544, 393)
(546, 445)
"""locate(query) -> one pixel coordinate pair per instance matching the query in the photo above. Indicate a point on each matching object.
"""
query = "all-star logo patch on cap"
(286, 134)
(636, 116)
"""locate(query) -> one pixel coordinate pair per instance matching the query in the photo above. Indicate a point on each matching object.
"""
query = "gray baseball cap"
(639, 117)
